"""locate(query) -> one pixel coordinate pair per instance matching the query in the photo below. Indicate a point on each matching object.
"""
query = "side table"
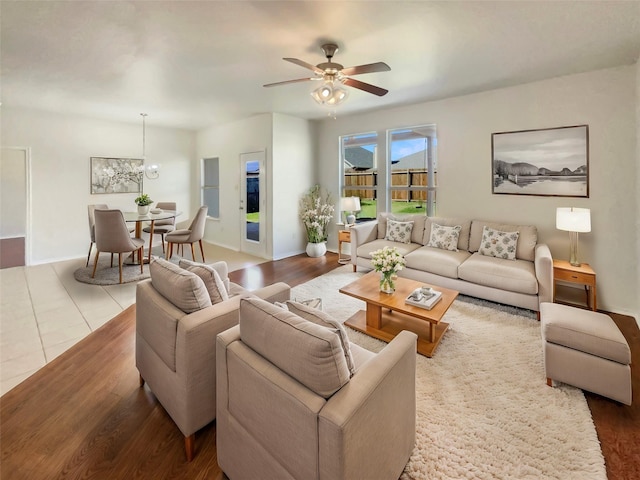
(343, 236)
(581, 275)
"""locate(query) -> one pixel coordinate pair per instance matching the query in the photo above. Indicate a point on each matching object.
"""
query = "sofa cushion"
(398, 231)
(496, 243)
(445, 238)
(436, 261)
(511, 275)
(310, 353)
(463, 236)
(182, 288)
(527, 237)
(212, 281)
(321, 318)
(367, 249)
(417, 232)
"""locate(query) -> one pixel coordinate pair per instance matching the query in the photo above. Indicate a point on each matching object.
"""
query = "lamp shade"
(573, 219)
(350, 204)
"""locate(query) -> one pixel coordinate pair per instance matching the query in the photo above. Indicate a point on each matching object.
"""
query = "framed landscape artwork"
(116, 175)
(547, 162)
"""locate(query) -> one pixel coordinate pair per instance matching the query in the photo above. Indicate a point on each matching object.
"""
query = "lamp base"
(573, 249)
(351, 219)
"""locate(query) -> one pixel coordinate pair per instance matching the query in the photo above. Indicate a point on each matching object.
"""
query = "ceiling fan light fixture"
(329, 94)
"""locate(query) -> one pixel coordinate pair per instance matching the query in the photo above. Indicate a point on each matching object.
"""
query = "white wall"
(293, 174)
(227, 142)
(605, 100)
(61, 146)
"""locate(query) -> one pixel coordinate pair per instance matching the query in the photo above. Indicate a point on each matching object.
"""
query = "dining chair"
(162, 227)
(112, 235)
(191, 235)
(92, 225)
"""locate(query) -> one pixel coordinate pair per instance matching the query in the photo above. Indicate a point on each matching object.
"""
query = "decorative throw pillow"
(212, 281)
(399, 231)
(182, 288)
(445, 238)
(320, 318)
(498, 244)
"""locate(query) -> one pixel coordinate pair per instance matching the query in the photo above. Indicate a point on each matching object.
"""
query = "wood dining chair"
(162, 227)
(112, 235)
(191, 235)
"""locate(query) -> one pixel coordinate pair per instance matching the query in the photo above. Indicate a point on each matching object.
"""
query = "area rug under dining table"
(484, 410)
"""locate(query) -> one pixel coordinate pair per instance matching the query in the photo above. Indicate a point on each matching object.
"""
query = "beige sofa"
(525, 282)
(175, 350)
(290, 406)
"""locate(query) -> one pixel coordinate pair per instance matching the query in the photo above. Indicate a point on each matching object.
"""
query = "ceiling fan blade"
(305, 65)
(288, 81)
(369, 68)
(367, 87)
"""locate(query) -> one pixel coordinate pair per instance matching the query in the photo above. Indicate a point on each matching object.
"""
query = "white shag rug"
(484, 410)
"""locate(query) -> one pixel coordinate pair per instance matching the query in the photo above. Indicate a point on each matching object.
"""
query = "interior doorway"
(252, 203)
(14, 197)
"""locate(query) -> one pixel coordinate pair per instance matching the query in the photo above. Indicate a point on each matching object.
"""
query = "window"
(211, 185)
(359, 172)
(412, 169)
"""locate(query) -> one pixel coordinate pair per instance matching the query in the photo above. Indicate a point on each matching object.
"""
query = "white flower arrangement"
(316, 212)
(387, 260)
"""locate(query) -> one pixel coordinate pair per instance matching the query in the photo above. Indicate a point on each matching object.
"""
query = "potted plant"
(316, 212)
(388, 261)
(143, 202)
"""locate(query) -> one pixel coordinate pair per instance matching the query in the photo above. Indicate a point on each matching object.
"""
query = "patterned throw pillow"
(399, 231)
(499, 244)
(445, 238)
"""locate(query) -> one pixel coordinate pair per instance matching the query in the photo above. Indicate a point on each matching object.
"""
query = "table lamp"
(350, 205)
(573, 220)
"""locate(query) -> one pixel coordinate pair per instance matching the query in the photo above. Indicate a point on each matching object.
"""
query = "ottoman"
(587, 350)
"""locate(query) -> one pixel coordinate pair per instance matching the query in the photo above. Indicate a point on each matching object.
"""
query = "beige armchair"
(175, 350)
(289, 407)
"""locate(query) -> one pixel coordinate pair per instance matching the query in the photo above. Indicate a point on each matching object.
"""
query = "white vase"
(143, 209)
(316, 249)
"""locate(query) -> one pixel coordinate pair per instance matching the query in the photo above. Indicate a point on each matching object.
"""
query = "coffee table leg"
(432, 332)
(374, 316)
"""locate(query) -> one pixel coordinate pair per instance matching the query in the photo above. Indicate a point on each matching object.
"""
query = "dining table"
(152, 217)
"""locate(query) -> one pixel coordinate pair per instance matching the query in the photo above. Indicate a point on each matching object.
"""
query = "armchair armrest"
(379, 402)
(278, 292)
(544, 273)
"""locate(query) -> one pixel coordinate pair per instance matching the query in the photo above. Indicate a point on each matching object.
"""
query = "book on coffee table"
(427, 301)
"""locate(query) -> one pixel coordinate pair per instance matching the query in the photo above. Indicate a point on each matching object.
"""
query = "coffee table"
(387, 314)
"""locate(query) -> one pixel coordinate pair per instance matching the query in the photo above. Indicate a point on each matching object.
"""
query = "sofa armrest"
(378, 402)
(360, 234)
(544, 273)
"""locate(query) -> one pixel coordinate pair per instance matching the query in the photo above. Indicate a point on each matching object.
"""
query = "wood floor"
(84, 415)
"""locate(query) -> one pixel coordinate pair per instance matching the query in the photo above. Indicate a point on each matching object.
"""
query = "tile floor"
(44, 311)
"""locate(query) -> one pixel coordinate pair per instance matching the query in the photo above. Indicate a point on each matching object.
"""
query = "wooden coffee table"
(387, 314)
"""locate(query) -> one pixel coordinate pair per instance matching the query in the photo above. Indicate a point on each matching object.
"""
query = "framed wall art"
(116, 175)
(546, 162)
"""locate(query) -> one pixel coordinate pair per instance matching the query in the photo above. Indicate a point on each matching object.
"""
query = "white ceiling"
(195, 64)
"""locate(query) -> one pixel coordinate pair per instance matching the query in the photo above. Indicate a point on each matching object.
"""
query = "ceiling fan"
(333, 74)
